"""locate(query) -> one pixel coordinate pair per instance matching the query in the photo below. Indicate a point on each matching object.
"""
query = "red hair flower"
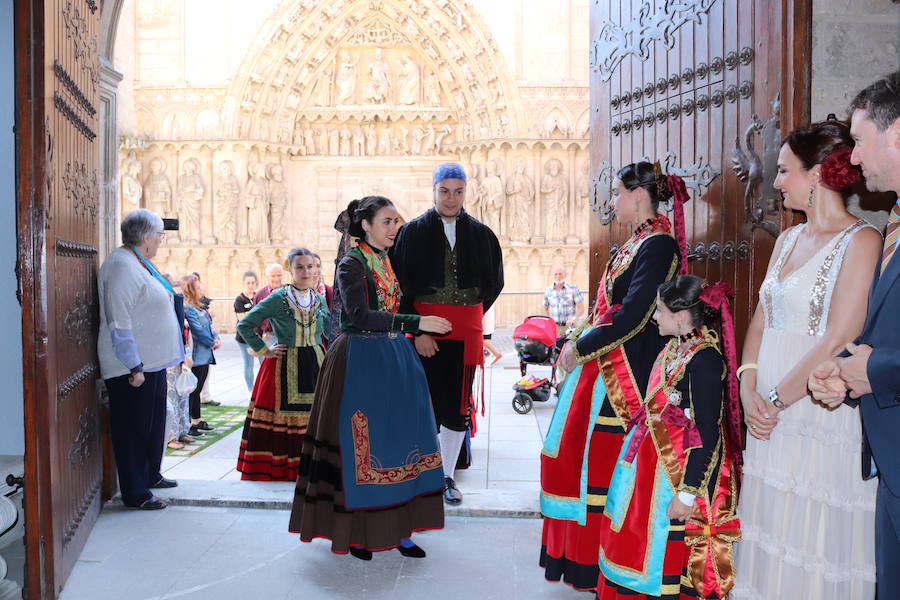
(837, 173)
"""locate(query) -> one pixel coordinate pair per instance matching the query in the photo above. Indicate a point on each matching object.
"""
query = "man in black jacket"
(450, 265)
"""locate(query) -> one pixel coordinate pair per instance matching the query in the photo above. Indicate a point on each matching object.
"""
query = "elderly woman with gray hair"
(140, 337)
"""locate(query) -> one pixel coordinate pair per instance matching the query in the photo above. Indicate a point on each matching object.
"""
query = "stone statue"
(401, 147)
(323, 89)
(345, 85)
(417, 135)
(346, 138)
(582, 204)
(555, 190)
(494, 197)
(228, 192)
(255, 194)
(371, 140)
(321, 141)
(384, 140)
(474, 192)
(334, 141)
(190, 196)
(278, 201)
(442, 134)
(431, 89)
(428, 141)
(520, 195)
(408, 77)
(378, 90)
(359, 141)
(132, 190)
(158, 190)
(309, 140)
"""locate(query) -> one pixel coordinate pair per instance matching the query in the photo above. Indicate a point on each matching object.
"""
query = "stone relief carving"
(131, 187)
(228, 194)
(431, 89)
(494, 197)
(378, 89)
(345, 85)
(474, 192)
(158, 189)
(278, 201)
(190, 195)
(555, 190)
(582, 215)
(256, 228)
(520, 200)
(408, 77)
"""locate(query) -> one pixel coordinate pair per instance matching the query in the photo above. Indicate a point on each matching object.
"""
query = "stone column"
(207, 218)
(109, 159)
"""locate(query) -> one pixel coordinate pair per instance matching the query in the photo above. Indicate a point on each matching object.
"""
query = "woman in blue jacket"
(205, 340)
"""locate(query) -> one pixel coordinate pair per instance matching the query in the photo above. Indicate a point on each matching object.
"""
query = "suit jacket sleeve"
(655, 264)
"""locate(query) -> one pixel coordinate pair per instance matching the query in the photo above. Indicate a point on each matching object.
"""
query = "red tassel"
(679, 197)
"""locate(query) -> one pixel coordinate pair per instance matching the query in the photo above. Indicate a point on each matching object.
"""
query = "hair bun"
(351, 209)
(837, 173)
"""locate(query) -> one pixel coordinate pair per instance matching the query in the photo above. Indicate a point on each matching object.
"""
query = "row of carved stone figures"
(253, 214)
(369, 139)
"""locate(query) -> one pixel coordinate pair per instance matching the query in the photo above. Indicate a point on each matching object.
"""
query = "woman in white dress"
(807, 516)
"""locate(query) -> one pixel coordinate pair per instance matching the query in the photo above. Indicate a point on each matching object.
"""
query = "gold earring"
(812, 191)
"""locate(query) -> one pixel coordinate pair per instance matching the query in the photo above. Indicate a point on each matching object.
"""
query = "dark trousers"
(887, 543)
(194, 401)
(137, 417)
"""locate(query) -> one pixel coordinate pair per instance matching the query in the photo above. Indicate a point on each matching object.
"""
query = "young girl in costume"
(283, 393)
(669, 522)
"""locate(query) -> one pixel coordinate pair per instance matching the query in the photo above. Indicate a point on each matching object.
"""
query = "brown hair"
(813, 144)
(190, 286)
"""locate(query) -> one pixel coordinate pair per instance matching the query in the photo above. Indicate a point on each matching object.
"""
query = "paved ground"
(229, 553)
(504, 478)
(215, 542)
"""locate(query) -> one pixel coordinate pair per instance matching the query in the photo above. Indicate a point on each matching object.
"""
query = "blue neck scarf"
(153, 271)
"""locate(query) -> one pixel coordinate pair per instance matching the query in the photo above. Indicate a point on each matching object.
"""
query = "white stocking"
(451, 443)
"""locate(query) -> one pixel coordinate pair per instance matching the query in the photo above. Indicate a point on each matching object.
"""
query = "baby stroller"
(535, 340)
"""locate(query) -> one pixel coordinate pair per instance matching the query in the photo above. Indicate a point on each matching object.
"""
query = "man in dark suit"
(868, 371)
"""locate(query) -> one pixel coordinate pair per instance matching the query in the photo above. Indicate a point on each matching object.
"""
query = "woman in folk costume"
(669, 521)
(282, 396)
(613, 354)
(371, 471)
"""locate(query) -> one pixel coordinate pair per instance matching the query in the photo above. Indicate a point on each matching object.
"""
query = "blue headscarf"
(448, 170)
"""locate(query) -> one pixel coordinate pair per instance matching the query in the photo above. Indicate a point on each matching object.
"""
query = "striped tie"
(890, 236)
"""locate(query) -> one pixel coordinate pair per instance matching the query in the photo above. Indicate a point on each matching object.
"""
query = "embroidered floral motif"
(368, 468)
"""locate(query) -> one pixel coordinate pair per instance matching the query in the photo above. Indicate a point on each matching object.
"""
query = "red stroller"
(535, 340)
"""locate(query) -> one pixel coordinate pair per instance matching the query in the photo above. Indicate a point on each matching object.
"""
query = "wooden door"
(707, 87)
(57, 89)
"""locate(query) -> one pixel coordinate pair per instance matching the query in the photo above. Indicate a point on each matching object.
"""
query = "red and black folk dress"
(615, 353)
(676, 443)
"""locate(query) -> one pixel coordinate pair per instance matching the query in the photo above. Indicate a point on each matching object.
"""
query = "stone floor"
(503, 480)
(238, 553)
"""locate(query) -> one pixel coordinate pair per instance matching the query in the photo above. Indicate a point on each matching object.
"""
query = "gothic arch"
(296, 50)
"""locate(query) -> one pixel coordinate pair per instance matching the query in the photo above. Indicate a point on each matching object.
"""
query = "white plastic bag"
(186, 382)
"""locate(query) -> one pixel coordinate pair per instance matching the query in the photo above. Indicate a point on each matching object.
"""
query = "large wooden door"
(57, 89)
(707, 87)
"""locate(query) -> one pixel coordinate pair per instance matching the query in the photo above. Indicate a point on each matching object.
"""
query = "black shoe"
(204, 426)
(411, 552)
(452, 495)
(152, 503)
(360, 553)
(164, 483)
(194, 432)
(211, 403)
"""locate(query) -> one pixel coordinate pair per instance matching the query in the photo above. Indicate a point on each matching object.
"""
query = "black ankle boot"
(411, 552)
(361, 553)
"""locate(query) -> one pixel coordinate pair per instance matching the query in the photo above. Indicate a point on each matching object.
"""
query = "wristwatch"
(774, 399)
(138, 369)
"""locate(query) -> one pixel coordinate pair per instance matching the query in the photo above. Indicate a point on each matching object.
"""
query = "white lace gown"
(808, 518)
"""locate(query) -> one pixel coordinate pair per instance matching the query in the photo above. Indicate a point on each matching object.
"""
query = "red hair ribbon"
(717, 296)
(679, 197)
